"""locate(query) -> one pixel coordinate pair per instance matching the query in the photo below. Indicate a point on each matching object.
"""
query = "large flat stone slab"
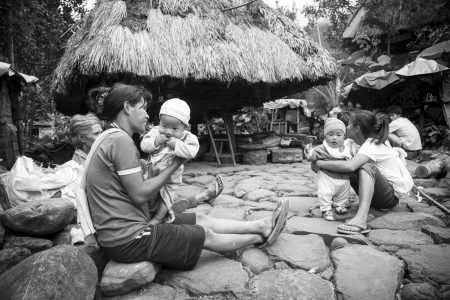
(153, 291)
(259, 195)
(301, 205)
(291, 284)
(399, 238)
(226, 201)
(363, 272)
(221, 212)
(440, 235)
(428, 263)
(213, 274)
(326, 229)
(405, 221)
(301, 251)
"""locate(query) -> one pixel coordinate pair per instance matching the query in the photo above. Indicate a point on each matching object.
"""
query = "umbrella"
(363, 87)
(421, 66)
(436, 51)
(376, 80)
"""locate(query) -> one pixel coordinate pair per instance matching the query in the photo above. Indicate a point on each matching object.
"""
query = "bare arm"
(140, 191)
(343, 165)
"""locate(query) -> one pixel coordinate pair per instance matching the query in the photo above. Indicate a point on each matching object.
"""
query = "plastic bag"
(28, 182)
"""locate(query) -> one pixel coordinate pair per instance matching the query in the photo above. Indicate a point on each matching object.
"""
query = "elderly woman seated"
(84, 129)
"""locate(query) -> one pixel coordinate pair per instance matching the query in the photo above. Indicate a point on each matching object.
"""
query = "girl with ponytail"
(379, 176)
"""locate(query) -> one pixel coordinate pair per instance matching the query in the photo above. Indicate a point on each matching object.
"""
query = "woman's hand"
(314, 166)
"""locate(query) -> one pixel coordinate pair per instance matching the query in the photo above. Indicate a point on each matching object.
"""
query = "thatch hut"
(203, 51)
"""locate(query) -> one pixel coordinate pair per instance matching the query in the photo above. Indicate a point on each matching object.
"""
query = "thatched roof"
(145, 41)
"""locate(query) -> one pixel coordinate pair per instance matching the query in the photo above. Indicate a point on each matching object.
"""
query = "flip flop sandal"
(219, 185)
(360, 229)
(278, 222)
(180, 205)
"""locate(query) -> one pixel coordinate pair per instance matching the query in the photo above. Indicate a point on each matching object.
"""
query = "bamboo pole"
(422, 193)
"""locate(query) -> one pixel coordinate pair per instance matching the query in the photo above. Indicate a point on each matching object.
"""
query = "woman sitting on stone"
(84, 129)
(122, 203)
(380, 178)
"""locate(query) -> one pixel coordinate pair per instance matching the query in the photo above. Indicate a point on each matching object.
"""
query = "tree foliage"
(387, 16)
(291, 12)
(336, 11)
(33, 41)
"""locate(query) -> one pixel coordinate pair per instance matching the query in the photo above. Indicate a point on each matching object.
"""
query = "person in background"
(83, 129)
(402, 133)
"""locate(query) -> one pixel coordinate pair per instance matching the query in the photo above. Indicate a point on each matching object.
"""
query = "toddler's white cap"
(176, 108)
(333, 124)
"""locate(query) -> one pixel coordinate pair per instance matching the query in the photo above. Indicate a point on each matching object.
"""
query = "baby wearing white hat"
(333, 189)
(164, 142)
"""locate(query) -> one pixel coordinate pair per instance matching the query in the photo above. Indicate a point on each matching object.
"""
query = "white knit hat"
(176, 108)
(333, 124)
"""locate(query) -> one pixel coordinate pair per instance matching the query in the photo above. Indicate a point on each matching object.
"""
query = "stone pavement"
(407, 253)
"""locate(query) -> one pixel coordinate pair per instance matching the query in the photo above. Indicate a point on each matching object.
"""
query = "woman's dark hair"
(118, 95)
(372, 125)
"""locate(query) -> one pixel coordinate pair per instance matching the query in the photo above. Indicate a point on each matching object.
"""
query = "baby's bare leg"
(161, 212)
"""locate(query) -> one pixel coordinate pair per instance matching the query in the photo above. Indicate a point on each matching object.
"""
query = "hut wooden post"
(8, 140)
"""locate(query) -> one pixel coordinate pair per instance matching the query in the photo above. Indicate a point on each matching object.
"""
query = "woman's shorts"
(383, 192)
(176, 245)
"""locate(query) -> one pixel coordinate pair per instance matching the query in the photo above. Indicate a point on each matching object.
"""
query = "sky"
(288, 3)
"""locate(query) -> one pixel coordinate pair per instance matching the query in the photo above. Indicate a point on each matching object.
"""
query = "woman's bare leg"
(221, 242)
(365, 193)
(225, 226)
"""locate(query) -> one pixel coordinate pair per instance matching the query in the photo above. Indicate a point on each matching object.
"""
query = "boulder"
(291, 284)
(11, 257)
(362, 272)
(213, 274)
(31, 243)
(40, 217)
(405, 221)
(63, 237)
(256, 260)
(428, 263)
(119, 278)
(61, 272)
(301, 251)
